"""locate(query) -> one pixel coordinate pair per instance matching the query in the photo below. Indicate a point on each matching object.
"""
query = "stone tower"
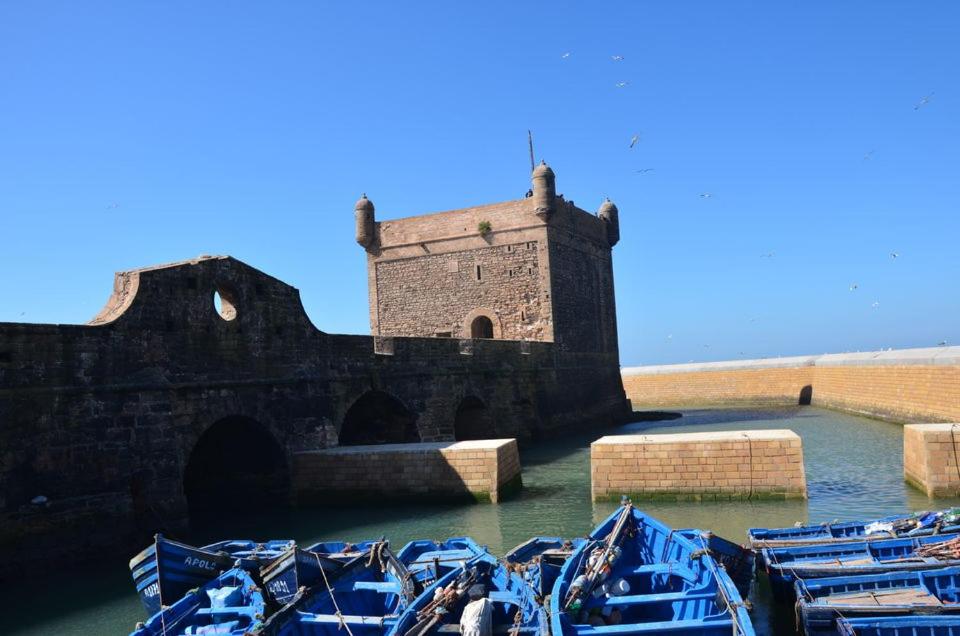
(537, 268)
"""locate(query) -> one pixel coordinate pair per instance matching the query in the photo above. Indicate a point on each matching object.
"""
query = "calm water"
(854, 469)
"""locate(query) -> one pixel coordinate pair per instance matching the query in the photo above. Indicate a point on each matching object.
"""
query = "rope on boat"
(593, 572)
(732, 606)
(338, 614)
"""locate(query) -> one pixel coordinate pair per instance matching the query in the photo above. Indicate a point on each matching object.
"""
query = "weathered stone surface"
(759, 464)
(930, 458)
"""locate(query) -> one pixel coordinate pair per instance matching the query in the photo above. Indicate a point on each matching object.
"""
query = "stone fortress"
(490, 322)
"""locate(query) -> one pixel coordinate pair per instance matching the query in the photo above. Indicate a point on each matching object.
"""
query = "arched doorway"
(236, 465)
(472, 420)
(481, 327)
(378, 418)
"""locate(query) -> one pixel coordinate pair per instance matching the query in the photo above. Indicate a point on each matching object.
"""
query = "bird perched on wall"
(634, 140)
(923, 102)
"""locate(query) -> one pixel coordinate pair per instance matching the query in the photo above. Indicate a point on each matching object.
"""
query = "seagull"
(705, 195)
(894, 255)
(670, 336)
(942, 343)
(622, 84)
(113, 206)
(565, 55)
(767, 255)
(644, 170)
(634, 140)
(616, 58)
(853, 286)
(923, 102)
(23, 313)
(875, 304)
(869, 155)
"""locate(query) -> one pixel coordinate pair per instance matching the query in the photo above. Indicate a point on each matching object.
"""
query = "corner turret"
(611, 217)
(544, 190)
(363, 213)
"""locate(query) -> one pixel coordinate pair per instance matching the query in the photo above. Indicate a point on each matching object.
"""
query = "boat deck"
(882, 598)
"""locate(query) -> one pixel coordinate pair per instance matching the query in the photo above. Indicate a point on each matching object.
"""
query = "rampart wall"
(903, 385)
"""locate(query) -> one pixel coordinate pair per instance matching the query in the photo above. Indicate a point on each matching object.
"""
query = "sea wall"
(905, 385)
(482, 470)
(763, 464)
(930, 460)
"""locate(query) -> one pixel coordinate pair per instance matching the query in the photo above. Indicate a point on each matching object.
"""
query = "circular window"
(225, 302)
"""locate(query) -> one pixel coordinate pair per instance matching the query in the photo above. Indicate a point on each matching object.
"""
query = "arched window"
(481, 327)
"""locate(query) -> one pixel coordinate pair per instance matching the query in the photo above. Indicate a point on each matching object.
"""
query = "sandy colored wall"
(930, 458)
(764, 464)
(905, 385)
(484, 470)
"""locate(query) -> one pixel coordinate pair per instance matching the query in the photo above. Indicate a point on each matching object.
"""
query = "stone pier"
(481, 470)
(763, 464)
(930, 458)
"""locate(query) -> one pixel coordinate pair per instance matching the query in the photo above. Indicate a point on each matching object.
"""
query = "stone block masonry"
(481, 470)
(764, 464)
(930, 458)
(919, 385)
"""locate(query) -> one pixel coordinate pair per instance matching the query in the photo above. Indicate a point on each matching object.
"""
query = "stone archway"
(472, 420)
(235, 465)
(481, 327)
(378, 418)
(482, 322)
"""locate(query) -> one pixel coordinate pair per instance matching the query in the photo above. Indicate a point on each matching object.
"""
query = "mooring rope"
(333, 598)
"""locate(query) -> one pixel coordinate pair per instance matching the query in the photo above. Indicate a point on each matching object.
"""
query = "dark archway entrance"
(236, 465)
(378, 418)
(472, 420)
(481, 327)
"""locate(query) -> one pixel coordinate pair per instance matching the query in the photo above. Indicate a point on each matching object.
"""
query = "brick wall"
(909, 384)
(766, 464)
(484, 470)
(930, 454)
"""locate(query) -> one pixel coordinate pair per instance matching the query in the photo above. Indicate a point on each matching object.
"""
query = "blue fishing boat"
(892, 527)
(900, 626)
(539, 560)
(822, 601)
(739, 561)
(298, 568)
(230, 604)
(166, 570)
(370, 592)
(635, 575)
(342, 550)
(440, 608)
(786, 565)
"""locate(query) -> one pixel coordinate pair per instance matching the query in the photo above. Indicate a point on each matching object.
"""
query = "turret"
(544, 190)
(363, 213)
(611, 217)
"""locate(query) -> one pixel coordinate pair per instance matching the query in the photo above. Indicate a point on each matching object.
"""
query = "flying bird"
(705, 195)
(622, 84)
(923, 102)
(616, 58)
(113, 206)
(894, 255)
(644, 170)
(942, 343)
(767, 255)
(634, 140)
(565, 55)
(875, 304)
(853, 286)
(869, 155)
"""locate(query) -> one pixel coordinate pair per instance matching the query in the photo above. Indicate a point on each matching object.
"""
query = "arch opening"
(481, 327)
(378, 418)
(236, 464)
(472, 420)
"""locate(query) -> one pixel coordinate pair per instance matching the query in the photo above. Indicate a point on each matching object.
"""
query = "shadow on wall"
(378, 418)
(472, 420)
(806, 395)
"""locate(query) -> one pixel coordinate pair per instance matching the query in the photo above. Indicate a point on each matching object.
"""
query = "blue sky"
(136, 133)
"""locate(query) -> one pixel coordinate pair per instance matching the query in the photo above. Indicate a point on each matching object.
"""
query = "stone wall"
(930, 459)
(902, 385)
(765, 464)
(482, 470)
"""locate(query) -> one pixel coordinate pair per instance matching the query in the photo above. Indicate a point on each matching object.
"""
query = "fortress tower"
(538, 268)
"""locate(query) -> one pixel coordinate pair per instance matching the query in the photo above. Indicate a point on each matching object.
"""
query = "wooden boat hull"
(673, 585)
(822, 601)
(231, 604)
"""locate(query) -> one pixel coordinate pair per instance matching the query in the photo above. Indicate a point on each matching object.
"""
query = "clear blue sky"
(135, 133)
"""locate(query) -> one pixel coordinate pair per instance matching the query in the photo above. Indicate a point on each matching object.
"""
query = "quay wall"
(930, 460)
(760, 464)
(903, 385)
(480, 470)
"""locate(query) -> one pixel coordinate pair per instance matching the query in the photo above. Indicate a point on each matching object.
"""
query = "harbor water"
(854, 470)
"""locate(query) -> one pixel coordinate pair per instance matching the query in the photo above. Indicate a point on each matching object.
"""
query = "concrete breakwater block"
(930, 458)
(481, 470)
(762, 464)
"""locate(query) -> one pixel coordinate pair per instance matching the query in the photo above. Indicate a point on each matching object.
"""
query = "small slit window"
(479, 273)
